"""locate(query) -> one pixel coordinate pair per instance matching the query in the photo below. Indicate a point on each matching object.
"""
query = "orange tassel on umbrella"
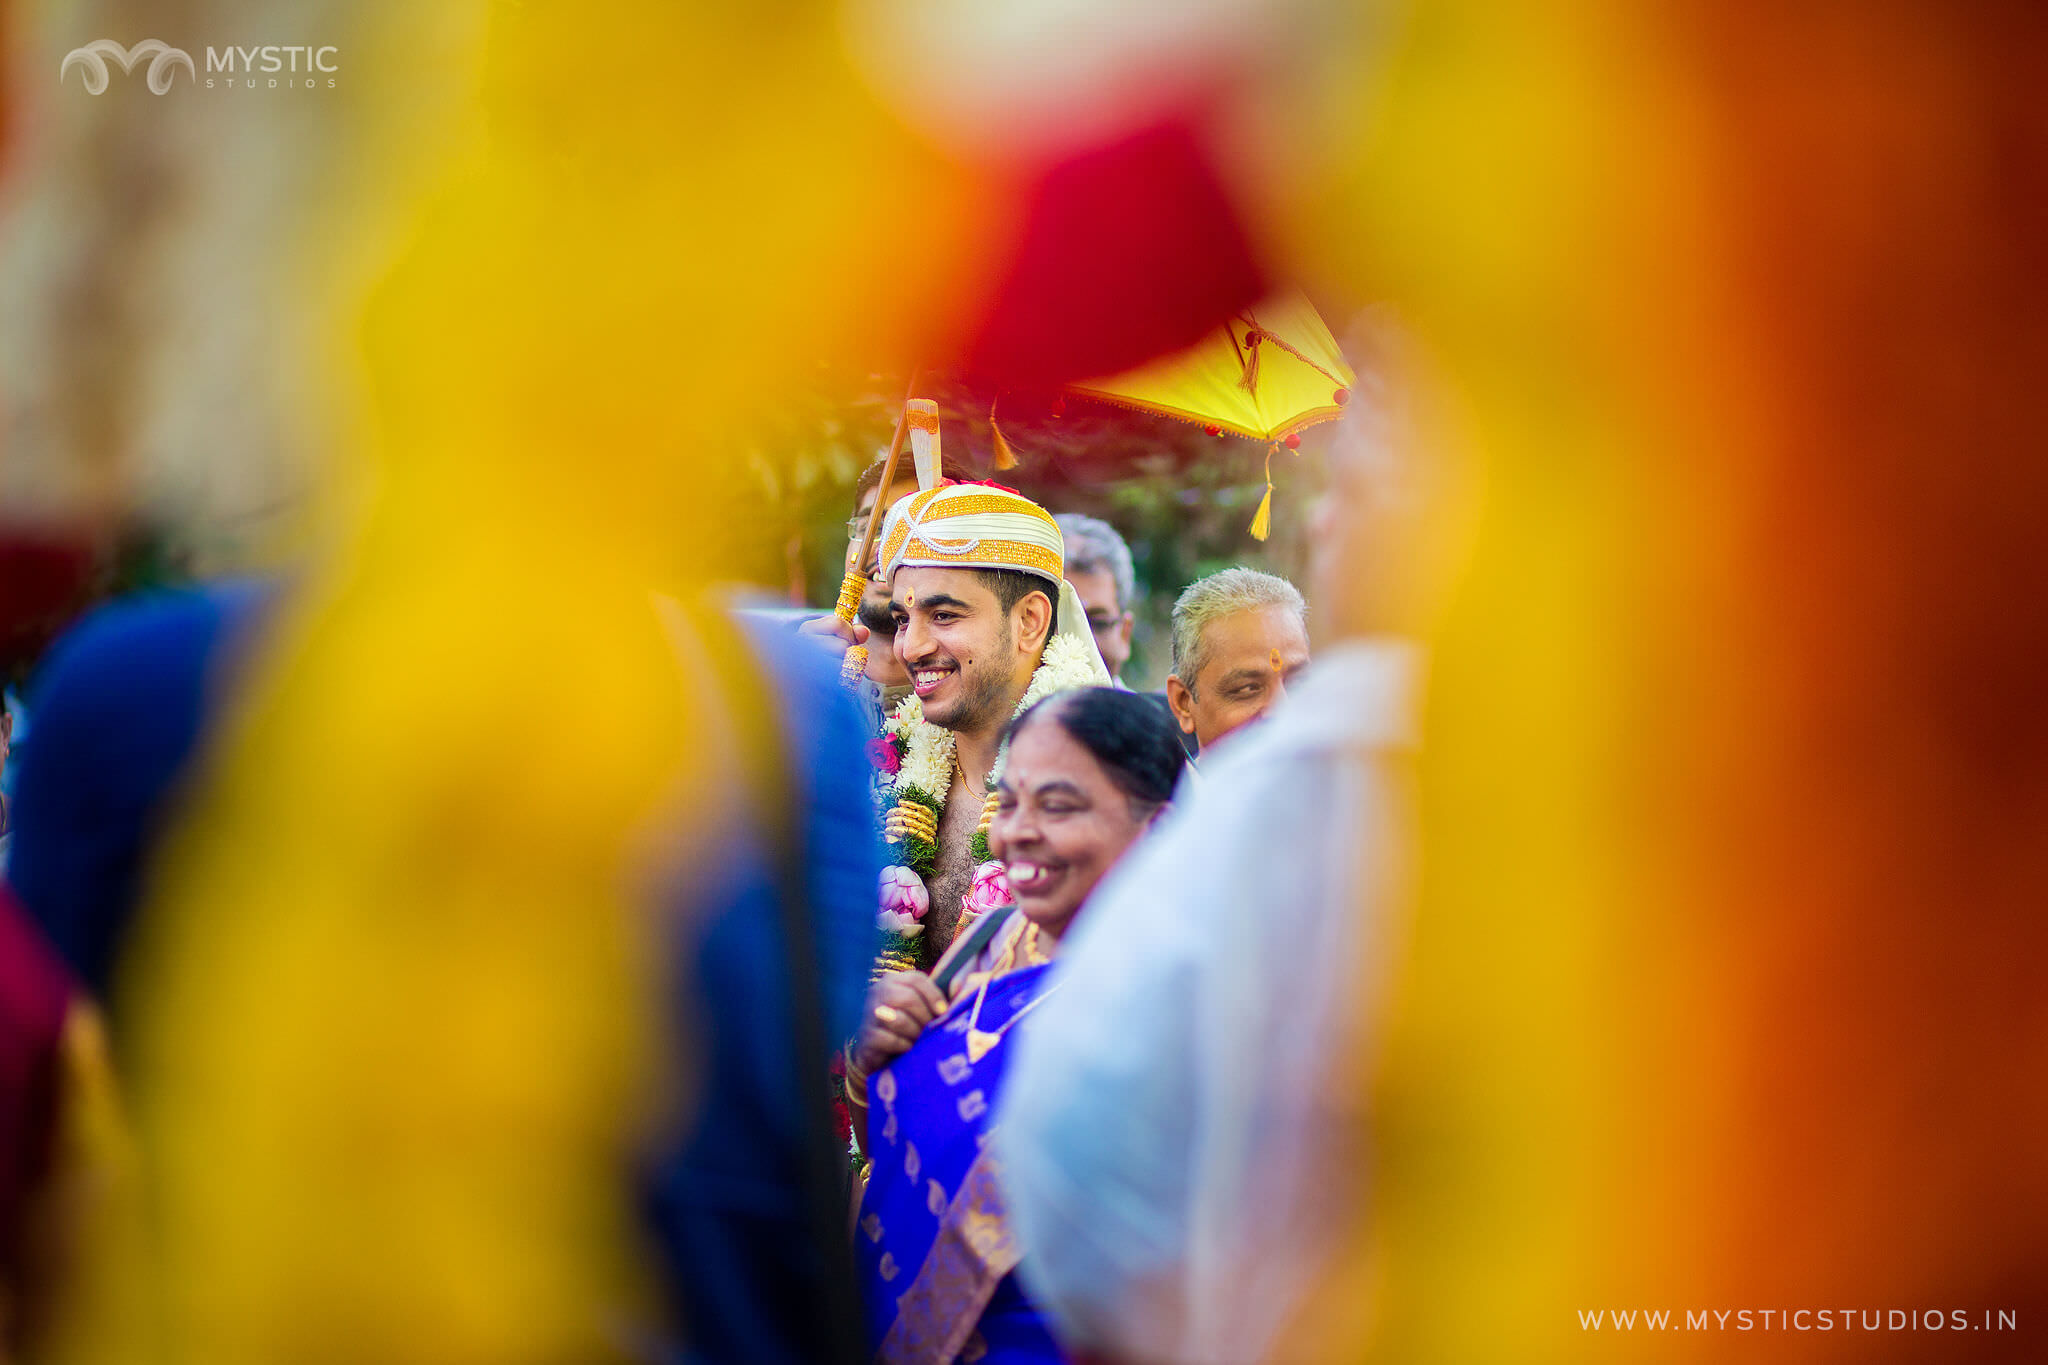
(1006, 456)
(1262, 520)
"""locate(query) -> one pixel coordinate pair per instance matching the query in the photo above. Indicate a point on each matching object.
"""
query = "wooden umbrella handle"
(855, 584)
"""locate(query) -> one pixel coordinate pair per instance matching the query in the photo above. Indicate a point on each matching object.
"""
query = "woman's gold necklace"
(1023, 950)
(978, 1042)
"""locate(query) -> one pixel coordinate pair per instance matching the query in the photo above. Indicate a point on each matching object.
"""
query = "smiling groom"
(986, 625)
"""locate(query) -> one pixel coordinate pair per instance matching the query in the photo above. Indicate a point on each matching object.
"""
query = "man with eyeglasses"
(1099, 567)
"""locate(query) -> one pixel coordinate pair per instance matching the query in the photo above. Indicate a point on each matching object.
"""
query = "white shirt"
(1165, 1124)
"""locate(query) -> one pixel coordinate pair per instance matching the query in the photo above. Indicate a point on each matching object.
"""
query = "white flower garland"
(927, 750)
(928, 763)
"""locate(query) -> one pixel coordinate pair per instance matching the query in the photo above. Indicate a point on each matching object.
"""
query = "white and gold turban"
(973, 526)
(984, 526)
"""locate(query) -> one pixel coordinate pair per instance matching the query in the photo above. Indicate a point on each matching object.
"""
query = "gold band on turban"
(973, 526)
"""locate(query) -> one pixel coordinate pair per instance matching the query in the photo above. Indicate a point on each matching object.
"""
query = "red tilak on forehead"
(1276, 661)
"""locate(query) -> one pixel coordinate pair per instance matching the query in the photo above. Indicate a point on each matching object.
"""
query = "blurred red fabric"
(1126, 252)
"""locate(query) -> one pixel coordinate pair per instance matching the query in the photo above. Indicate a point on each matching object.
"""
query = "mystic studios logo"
(227, 68)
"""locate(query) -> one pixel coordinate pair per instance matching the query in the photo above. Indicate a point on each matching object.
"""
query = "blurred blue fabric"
(122, 706)
(120, 703)
(17, 708)
(725, 1200)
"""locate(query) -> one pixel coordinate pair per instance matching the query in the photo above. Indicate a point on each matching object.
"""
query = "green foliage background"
(1183, 499)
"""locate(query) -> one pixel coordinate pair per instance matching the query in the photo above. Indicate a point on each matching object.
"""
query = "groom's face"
(955, 640)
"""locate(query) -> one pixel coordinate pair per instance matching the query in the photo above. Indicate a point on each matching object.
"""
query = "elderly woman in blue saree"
(1087, 773)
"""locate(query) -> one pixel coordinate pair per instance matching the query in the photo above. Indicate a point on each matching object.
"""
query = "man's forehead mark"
(1277, 666)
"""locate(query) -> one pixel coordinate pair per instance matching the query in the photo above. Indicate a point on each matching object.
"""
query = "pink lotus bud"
(903, 894)
(989, 891)
(895, 922)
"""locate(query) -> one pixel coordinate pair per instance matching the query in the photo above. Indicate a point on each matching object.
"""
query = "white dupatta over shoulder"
(1169, 1127)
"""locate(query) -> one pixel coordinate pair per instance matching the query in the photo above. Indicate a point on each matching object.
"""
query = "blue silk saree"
(936, 1251)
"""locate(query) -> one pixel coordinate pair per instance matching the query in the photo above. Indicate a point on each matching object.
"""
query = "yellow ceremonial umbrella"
(1264, 374)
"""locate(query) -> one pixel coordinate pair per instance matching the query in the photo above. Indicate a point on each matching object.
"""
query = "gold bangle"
(856, 1079)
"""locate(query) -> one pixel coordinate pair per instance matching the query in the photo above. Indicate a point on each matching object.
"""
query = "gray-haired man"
(1240, 638)
(1099, 567)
